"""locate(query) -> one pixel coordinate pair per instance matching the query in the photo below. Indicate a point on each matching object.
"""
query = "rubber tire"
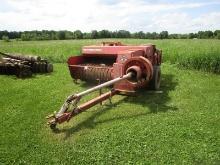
(49, 67)
(41, 67)
(155, 82)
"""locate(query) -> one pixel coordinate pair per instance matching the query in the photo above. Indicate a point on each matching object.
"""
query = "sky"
(174, 16)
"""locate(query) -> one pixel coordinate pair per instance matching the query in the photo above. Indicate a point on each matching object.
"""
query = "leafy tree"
(182, 36)
(3, 33)
(86, 35)
(155, 35)
(25, 37)
(209, 34)
(114, 34)
(123, 34)
(141, 35)
(53, 35)
(104, 34)
(5, 38)
(77, 34)
(205, 34)
(164, 34)
(61, 35)
(191, 36)
(94, 34)
(200, 34)
(173, 36)
(217, 34)
(68, 35)
(148, 35)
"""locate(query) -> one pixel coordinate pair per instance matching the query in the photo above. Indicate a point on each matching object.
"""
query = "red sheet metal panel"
(114, 50)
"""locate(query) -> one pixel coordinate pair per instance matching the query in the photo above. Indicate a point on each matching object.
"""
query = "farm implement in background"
(23, 66)
(125, 68)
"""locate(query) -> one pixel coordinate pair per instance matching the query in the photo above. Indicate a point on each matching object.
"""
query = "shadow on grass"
(33, 76)
(155, 101)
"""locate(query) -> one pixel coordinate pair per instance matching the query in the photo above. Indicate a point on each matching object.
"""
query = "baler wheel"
(155, 82)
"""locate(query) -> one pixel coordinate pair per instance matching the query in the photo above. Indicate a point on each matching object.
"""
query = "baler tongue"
(70, 108)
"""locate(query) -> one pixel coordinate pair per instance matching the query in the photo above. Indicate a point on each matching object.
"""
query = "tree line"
(94, 34)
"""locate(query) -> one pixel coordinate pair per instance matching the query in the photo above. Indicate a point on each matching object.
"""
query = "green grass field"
(178, 126)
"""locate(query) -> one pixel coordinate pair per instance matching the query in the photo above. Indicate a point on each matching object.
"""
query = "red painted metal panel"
(114, 50)
(73, 60)
(123, 56)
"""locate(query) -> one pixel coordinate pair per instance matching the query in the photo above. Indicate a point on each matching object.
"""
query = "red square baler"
(125, 67)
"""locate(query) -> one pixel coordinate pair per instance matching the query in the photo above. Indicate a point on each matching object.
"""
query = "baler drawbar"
(126, 68)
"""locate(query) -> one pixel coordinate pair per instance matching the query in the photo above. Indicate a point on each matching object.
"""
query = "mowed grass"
(192, 54)
(178, 126)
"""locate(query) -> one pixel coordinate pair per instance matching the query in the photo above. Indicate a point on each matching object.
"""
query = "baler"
(125, 68)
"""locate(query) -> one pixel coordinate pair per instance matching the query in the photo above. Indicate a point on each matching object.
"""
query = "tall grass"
(193, 54)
